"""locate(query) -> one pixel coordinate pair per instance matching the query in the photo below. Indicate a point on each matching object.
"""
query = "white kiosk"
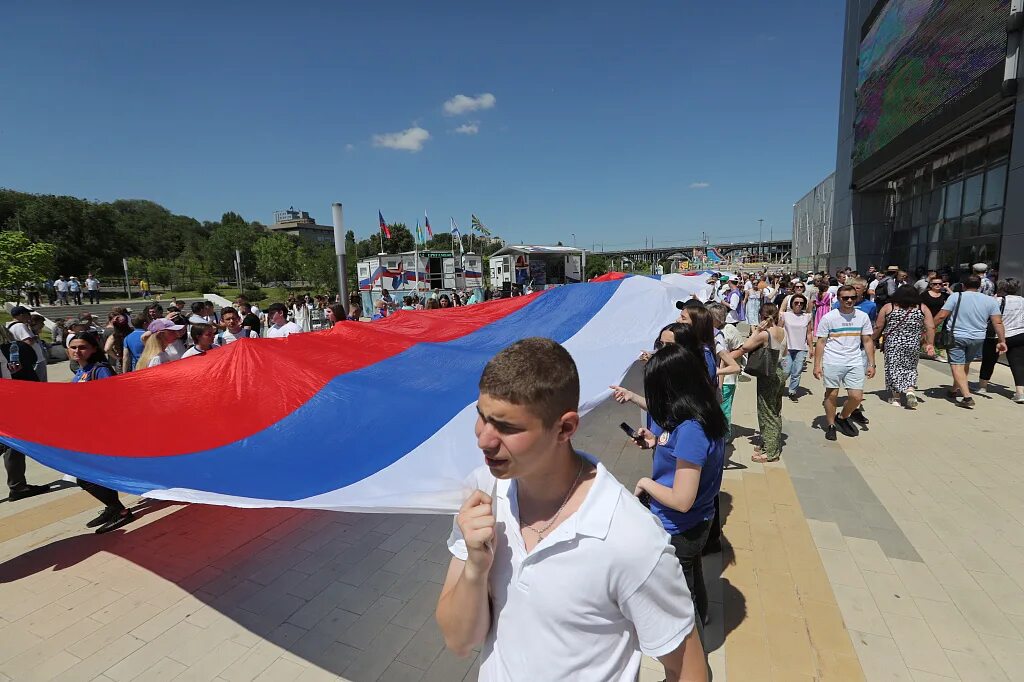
(538, 267)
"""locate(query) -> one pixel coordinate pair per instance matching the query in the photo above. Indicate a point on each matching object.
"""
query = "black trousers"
(94, 296)
(14, 462)
(1015, 356)
(105, 495)
(989, 357)
(688, 545)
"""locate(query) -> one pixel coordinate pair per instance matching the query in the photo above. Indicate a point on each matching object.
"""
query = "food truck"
(538, 267)
(420, 271)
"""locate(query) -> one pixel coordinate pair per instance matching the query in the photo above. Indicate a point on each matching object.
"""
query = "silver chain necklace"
(540, 533)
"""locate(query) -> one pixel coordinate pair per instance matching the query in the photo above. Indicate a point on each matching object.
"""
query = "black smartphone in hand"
(629, 430)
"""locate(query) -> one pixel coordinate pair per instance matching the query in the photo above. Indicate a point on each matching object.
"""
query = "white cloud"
(699, 185)
(349, 147)
(408, 140)
(461, 104)
(468, 128)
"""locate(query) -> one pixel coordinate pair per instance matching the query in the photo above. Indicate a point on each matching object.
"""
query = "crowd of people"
(62, 290)
(767, 326)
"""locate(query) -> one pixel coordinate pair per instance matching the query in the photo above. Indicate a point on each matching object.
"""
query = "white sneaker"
(1019, 399)
(981, 391)
(911, 401)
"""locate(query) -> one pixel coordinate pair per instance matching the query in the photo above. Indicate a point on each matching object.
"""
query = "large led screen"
(919, 59)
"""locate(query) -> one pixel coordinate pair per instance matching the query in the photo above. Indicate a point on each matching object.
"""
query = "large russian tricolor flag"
(365, 417)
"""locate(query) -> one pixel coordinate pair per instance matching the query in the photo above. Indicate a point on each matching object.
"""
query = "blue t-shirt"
(973, 316)
(709, 357)
(133, 342)
(102, 372)
(866, 306)
(687, 442)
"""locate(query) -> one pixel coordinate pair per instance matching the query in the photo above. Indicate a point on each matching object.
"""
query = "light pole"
(573, 240)
(339, 250)
(760, 238)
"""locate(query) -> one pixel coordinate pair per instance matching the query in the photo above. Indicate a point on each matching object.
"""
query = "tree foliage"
(597, 265)
(276, 257)
(177, 251)
(22, 260)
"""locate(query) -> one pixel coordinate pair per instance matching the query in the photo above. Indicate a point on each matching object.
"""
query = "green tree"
(22, 261)
(276, 257)
(219, 250)
(597, 265)
(318, 265)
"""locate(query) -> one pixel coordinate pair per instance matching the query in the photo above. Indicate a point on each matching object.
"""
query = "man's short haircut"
(972, 282)
(536, 373)
(198, 329)
(276, 308)
(228, 310)
(719, 312)
(339, 311)
(856, 280)
(846, 287)
(198, 307)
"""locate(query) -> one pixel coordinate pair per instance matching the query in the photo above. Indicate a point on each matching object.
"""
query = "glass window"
(950, 229)
(985, 252)
(920, 210)
(991, 222)
(995, 187)
(935, 207)
(972, 193)
(953, 195)
(922, 235)
(933, 258)
(969, 225)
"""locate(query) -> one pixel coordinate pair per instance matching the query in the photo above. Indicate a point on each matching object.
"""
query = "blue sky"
(614, 121)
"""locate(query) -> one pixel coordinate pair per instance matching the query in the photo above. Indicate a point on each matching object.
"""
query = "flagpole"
(416, 256)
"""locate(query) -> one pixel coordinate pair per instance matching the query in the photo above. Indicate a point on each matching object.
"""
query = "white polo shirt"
(604, 586)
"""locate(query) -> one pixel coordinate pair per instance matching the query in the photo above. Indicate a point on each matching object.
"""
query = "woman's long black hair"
(677, 390)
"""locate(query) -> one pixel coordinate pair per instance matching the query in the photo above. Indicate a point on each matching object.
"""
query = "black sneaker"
(967, 403)
(859, 417)
(792, 396)
(104, 516)
(846, 427)
(830, 432)
(27, 491)
(121, 518)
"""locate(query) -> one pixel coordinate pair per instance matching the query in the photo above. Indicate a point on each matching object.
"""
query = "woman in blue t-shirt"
(686, 428)
(85, 348)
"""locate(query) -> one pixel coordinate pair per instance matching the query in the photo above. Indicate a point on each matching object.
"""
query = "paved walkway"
(896, 555)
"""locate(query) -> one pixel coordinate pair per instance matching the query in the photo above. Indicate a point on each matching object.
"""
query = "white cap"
(980, 267)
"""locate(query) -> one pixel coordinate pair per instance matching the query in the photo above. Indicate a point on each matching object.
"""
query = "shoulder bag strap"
(956, 309)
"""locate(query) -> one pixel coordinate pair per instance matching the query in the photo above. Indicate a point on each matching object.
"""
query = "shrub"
(253, 295)
(206, 286)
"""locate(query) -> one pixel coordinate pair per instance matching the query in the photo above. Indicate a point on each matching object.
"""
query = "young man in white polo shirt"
(839, 360)
(557, 570)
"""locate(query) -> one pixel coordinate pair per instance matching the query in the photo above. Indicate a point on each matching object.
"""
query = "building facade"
(300, 224)
(930, 158)
(812, 227)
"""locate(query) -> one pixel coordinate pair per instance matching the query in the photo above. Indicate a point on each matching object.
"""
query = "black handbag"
(946, 338)
(762, 361)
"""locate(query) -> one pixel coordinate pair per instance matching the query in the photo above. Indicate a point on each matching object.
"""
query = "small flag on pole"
(479, 226)
(427, 221)
(455, 230)
(383, 225)
(419, 233)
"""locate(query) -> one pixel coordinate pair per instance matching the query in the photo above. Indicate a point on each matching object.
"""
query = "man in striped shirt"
(839, 359)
